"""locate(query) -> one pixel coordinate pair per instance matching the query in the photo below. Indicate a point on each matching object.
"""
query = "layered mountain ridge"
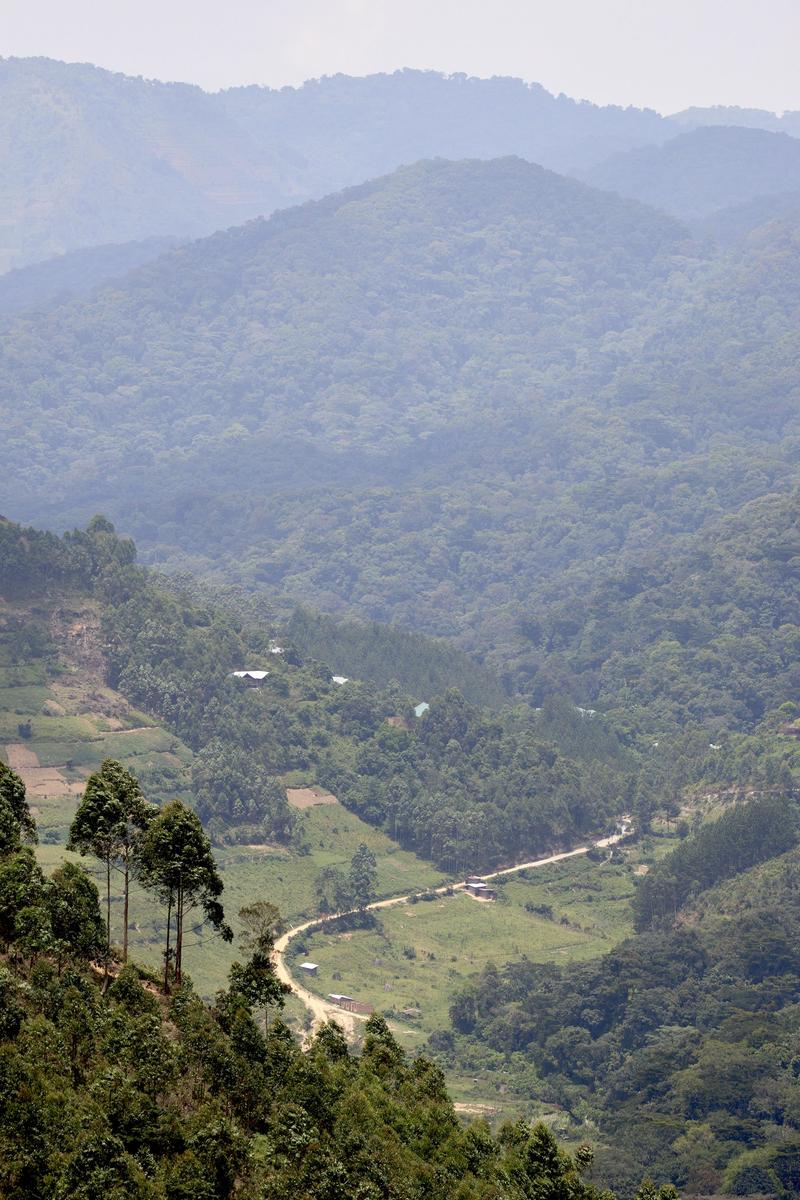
(445, 398)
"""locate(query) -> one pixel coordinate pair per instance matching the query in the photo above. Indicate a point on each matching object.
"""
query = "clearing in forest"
(309, 797)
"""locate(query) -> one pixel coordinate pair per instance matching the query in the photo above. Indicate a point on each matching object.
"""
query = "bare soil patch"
(40, 781)
(20, 757)
(309, 797)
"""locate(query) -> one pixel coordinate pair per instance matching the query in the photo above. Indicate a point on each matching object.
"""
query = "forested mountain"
(381, 360)
(731, 114)
(683, 1041)
(726, 226)
(450, 398)
(708, 631)
(90, 157)
(68, 276)
(348, 130)
(697, 173)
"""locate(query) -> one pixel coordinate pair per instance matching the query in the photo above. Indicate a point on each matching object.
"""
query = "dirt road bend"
(322, 1010)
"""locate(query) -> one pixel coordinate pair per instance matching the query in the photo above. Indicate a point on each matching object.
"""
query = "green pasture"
(418, 954)
(23, 698)
(252, 873)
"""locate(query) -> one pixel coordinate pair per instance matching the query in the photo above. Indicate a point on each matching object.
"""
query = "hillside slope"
(445, 399)
(696, 173)
(354, 332)
(89, 157)
(59, 718)
(440, 782)
(69, 276)
(117, 1088)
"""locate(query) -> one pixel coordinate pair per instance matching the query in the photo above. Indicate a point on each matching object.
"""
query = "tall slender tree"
(257, 980)
(110, 823)
(363, 876)
(176, 861)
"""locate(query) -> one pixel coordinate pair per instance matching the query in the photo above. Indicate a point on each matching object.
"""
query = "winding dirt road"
(324, 1010)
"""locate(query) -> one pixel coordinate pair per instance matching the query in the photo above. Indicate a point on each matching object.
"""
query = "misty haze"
(399, 627)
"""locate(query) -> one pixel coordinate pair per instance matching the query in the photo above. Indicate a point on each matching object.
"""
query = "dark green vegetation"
(125, 1093)
(385, 653)
(89, 157)
(463, 787)
(683, 1040)
(741, 838)
(698, 173)
(476, 399)
(472, 792)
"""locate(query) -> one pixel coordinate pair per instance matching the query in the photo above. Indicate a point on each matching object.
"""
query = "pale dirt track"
(323, 1010)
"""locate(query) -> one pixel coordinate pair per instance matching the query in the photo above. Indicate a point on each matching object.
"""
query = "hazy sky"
(667, 54)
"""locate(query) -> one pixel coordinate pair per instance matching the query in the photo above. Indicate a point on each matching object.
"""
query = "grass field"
(268, 873)
(61, 720)
(418, 954)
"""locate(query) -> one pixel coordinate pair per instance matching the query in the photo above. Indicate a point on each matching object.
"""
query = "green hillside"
(88, 635)
(68, 276)
(113, 1087)
(90, 158)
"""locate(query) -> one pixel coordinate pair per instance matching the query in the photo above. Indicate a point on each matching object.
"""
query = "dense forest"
(69, 276)
(138, 158)
(112, 1086)
(532, 418)
(462, 785)
(682, 1042)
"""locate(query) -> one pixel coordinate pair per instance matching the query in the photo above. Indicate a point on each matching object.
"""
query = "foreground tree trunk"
(179, 937)
(108, 915)
(125, 914)
(166, 952)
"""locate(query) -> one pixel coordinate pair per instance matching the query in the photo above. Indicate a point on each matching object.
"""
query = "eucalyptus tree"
(110, 823)
(257, 980)
(176, 861)
(363, 877)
